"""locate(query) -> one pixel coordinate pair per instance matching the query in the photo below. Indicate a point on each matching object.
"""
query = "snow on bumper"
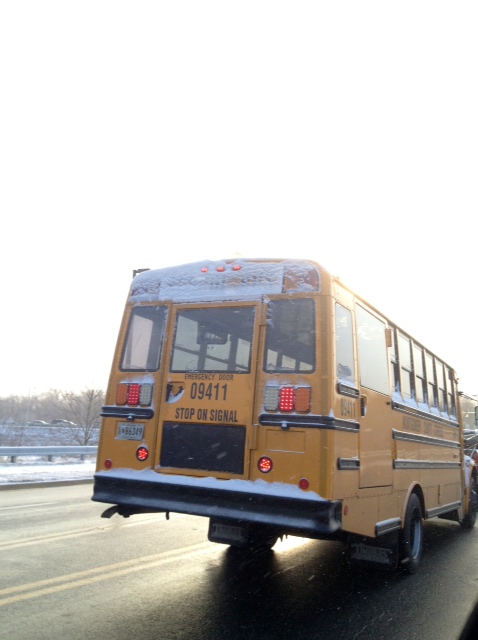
(279, 505)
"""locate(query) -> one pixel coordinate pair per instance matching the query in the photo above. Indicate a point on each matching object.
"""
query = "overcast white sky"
(147, 134)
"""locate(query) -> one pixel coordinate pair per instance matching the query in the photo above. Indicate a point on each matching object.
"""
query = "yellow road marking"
(113, 526)
(98, 574)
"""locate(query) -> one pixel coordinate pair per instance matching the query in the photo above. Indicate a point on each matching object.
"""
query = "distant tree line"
(83, 409)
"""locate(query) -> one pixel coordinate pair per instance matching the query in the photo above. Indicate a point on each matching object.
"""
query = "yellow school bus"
(267, 396)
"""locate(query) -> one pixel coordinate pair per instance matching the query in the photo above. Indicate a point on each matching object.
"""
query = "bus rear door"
(207, 403)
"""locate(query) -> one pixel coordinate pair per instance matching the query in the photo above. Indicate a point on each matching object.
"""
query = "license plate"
(128, 431)
(226, 533)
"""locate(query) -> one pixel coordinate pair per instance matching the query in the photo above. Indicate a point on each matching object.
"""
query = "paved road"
(67, 573)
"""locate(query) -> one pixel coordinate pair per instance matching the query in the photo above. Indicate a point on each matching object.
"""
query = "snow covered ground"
(34, 469)
(31, 469)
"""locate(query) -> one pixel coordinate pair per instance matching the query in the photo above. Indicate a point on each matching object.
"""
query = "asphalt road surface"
(66, 573)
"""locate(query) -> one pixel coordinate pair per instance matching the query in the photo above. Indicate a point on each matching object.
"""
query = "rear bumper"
(286, 508)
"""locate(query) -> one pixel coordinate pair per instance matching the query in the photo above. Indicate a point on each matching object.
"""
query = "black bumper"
(288, 510)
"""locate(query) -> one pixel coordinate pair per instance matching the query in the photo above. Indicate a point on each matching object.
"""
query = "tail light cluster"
(134, 394)
(287, 398)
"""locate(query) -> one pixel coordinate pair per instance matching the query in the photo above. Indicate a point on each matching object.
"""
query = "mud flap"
(378, 552)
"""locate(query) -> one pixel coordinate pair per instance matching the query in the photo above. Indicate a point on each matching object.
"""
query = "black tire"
(411, 543)
(259, 540)
(469, 520)
(262, 540)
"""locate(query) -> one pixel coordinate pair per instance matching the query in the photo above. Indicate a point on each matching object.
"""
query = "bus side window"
(290, 336)
(442, 391)
(432, 395)
(373, 357)
(406, 371)
(450, 384)
(344, 344)
(142, 348)
(420, 381)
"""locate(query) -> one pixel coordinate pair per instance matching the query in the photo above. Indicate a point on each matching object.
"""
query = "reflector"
(304, 483)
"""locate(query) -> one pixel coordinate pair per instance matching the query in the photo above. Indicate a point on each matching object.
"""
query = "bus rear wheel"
(262, 540)
(411, 540)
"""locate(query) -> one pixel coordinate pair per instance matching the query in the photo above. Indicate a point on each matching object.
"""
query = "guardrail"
(48, 452)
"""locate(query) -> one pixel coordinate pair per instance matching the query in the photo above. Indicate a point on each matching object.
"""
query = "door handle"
(363, 406)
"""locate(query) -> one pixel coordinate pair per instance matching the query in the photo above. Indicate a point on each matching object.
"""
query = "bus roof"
(236, 279)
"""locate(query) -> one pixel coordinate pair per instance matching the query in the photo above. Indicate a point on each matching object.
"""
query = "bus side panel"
(120, 436)
(361, 513)
(441, 482)
(301, 455)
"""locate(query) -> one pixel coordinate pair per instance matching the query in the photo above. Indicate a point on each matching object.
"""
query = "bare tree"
(85, 409)
(12, 410)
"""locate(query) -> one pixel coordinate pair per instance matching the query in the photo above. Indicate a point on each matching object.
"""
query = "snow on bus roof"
(224, 280)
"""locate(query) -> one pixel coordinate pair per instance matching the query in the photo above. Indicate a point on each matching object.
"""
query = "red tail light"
(133, 394)
(142, 453)
(287, 398)
(264, 464)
